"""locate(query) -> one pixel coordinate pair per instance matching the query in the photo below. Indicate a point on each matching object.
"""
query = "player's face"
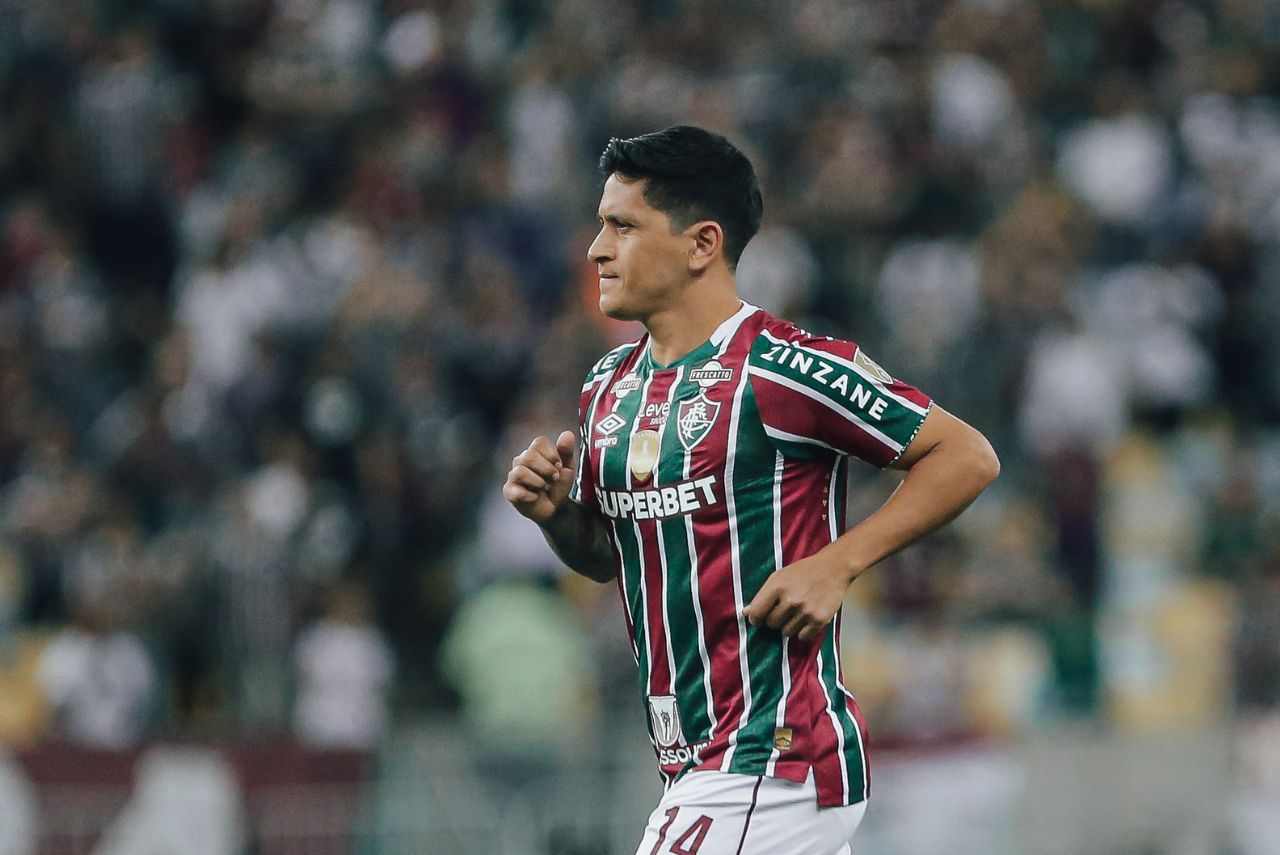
(642, 265)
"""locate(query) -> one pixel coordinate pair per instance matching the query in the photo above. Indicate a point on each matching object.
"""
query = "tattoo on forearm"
(579, 539)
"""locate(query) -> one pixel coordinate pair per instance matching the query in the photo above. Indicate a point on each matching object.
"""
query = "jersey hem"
(795, 771)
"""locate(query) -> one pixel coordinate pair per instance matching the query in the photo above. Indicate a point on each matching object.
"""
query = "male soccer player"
(710, 484)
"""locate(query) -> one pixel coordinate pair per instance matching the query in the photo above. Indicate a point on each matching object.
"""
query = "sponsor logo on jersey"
(655, 415)
(626, 386)
(695, 418)
(665, 719)
(660, 503)
(609, 424)
(681, 756)
(644, 453)
(710, 374)
(606, 442)
(836, 378)
(782, 738)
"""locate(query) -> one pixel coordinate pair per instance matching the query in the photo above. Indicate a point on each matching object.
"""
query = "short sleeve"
(583, 490)
(819, 394)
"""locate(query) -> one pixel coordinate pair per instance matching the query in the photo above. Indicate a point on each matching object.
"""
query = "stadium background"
(285, 283)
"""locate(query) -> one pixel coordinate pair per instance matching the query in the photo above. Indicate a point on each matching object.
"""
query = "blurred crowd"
(285, 283)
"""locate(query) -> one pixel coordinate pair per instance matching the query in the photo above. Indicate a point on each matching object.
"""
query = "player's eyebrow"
(613, 220)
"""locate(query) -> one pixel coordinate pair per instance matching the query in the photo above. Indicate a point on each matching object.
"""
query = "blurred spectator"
(517, 655)
(99, 680)
(17, 810)
(1075, 395)
(1120, 167)
(927, 295)
(1255, 825)
(1257, 639)
(126, 105)
(345, 668)
(778, 271)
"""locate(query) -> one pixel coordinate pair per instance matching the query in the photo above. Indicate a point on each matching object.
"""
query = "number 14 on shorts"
(687, 843)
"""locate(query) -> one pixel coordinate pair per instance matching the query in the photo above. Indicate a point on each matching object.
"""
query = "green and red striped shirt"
(712, 473)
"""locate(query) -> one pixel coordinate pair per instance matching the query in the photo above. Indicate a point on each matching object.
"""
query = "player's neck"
(682, 327)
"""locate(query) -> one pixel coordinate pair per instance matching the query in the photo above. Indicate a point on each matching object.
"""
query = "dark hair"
(690, 175)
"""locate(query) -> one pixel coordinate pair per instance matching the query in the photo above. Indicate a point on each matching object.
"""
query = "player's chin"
(611, 306)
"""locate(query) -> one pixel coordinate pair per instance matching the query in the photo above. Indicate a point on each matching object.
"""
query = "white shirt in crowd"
(100, 686)
(343, 675)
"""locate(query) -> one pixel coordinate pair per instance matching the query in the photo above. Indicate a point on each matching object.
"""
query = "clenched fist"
(540, 477)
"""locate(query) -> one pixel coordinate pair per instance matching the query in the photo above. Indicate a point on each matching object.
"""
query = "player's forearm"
(936, 489)
(578, 538)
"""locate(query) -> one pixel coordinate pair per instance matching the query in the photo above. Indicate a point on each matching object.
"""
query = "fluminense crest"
(695, 418)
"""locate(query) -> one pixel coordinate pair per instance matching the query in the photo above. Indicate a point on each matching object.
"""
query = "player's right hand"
(540, 477)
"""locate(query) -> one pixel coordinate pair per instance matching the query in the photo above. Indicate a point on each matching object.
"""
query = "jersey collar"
(714, 346)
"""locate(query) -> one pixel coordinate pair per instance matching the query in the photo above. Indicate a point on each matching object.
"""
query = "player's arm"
(577, 535)
(538, 486)
(948, 465)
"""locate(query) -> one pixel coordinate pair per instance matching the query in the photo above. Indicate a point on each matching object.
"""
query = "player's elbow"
(983, 462)
(602, 572)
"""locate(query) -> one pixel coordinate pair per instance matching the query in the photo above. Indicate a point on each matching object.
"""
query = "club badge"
(695, 418)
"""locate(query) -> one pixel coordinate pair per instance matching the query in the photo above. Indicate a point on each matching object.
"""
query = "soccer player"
(710, 484)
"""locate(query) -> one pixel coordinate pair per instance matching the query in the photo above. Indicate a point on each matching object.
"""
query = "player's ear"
(708, 244)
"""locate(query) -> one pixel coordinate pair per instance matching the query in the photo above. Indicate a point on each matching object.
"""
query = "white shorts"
(720, 813)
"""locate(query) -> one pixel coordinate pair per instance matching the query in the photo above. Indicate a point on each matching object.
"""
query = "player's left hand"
(800, 599)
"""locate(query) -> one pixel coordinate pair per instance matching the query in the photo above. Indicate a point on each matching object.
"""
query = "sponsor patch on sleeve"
(866, 363)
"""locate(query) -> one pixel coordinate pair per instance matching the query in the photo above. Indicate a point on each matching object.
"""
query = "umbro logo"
(610, 423)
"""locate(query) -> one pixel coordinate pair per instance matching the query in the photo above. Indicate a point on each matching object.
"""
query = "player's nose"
(599, 251)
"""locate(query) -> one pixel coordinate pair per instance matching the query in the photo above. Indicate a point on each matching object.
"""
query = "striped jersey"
(710, 474)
